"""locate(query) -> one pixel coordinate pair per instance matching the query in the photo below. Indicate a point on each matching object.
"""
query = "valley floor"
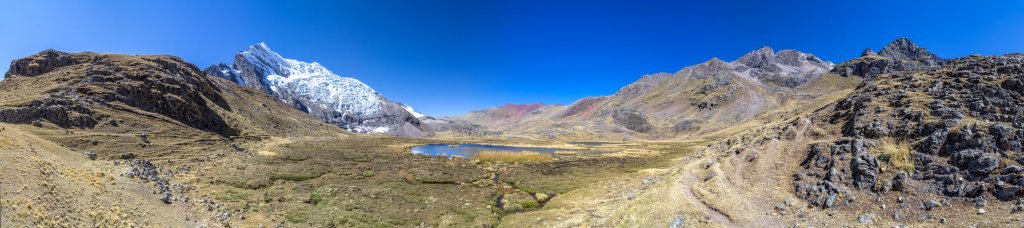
(49, 180)
(358, 181)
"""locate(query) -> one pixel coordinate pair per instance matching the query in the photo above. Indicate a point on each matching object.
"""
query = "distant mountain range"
(698, 98)
(312, 88)
(703, 97)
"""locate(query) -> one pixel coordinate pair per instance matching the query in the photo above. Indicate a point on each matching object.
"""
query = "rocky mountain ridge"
(710, 93)
(899, 55)
(161, 84)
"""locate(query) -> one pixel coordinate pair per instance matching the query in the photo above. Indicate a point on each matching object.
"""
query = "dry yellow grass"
(4, 143)
(560, 152)
(266, 153)
(511, 157)
(897, 154)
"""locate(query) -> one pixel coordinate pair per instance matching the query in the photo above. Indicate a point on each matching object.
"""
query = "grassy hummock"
(511, 157)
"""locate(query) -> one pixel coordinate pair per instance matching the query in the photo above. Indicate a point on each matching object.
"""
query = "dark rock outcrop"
(224, 71)
(631, 119)
(899, 55)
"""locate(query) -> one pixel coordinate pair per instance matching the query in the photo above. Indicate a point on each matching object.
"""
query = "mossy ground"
(376, 181)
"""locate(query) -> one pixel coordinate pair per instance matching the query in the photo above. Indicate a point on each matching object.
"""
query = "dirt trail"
(688, 180)
(745, 187)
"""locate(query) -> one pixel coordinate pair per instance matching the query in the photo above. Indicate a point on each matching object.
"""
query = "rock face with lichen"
(954, 130)
(70, 87)
(899, 55)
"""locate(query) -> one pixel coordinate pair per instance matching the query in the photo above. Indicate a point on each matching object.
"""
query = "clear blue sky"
(449, 57)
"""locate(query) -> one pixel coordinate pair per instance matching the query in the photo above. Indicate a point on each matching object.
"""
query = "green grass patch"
(295, 176)
(296, 216)
(315, 198)
(529, 204)
(232, 196)
(365, 174)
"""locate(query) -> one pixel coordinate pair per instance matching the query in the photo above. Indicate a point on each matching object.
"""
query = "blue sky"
(450, 57)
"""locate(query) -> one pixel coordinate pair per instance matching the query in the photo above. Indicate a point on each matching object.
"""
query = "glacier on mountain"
(312, 88)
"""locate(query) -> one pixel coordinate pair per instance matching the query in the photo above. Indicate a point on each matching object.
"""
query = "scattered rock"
(865, 219)
(830, 201)
(926, 217)
(1017, 208)
(711, 174)
(678, 221)
(91, 155)
(127, 156)
(37, 123)
(650, 180)
(146, 171)
(899, 182)
(979, 202)
(630, 196)
(931, 204)
(780, 207)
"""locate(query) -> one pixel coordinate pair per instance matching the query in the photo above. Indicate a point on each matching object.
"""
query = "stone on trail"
(677, 222)
(865, 218)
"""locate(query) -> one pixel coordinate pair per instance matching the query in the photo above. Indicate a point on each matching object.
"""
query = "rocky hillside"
(709, 95)
(932, 145)
(66, 89)
(139, 94)
(899, 55)
(955, 130)
(312, 88)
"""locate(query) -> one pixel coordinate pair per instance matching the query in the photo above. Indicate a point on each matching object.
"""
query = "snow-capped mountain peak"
(311, 87)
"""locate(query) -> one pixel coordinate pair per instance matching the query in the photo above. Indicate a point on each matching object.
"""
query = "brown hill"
(700, 98)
